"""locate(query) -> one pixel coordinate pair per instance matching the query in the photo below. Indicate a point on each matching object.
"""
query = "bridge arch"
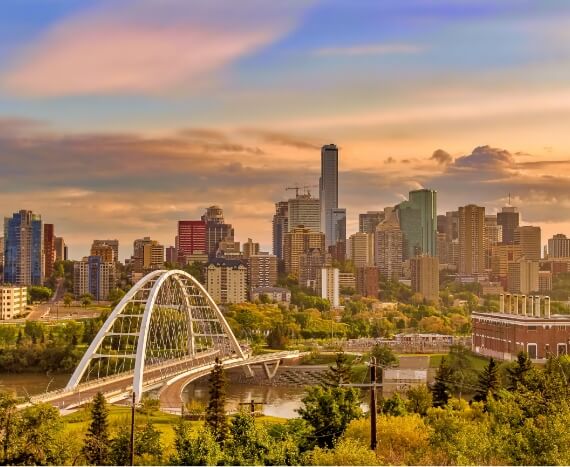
(166, 321)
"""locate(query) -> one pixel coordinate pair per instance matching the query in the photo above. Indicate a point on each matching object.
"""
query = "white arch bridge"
(164, 333)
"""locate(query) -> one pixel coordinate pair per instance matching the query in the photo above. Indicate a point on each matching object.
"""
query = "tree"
(516, 373)
(39, 293)
(115, 296)
(96, 445)
(488, 381)
(67, 299)
(340, 372)
(201, 449)
(248, 444)
(420, 399)
(441, 388)
(216, 418)
(86, 299)
(384, 355)
(394, 406)
(277, 337)
(147, 444)
(329, 410)
(346, 452)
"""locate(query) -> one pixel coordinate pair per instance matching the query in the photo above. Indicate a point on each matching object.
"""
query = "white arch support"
(180, 324)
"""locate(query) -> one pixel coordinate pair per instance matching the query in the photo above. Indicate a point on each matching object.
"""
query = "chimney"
(502, 303)
(547, 307)
(530, 305)
(516, 307)
(524, 305)
(537, 306)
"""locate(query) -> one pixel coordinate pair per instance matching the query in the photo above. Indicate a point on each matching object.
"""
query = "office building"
(306, 211)
(49, 250)
(338, 226)
(191, 239)
(522, 325)
(262, 271)
(362, 249)
(368, 221)
(367, 281)
(559, 246)
(280, 227)
(425, 277)
(13, 300)
(24, 249)
(501, 256)
(529, 238)
(60, 249)
(388, 246)
(508, 219)
(216, 229)
(544, 282)
(228, 248)
(104, 251)
(171, 254)
(522, 277)
(226, 281)
(328, 285)
(147, 255)
(114, 244)
(310, 263)
(328, 191)
(250, 248)
(471, 240)
(442, 252)
(418, 222)
(493, 236)
(1, 254)
(298, 241)
(347, 281)
(93, 276)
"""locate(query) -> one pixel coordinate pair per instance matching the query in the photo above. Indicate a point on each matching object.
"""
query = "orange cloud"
(131, 47)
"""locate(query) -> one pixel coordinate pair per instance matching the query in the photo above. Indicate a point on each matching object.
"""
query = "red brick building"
(367, 281)
(191, 238)
(49, 250)
(521, 326)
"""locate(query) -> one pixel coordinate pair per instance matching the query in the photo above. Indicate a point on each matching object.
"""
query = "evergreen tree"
(340, 372)
(96, 445)
(441, 388)
(488, 381)
(216, 418)
(516, 373)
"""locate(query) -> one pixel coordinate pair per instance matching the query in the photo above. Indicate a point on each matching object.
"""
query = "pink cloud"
(143, 47)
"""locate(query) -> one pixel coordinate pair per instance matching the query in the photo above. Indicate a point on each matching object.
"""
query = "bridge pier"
(248, 371)
(271, 372)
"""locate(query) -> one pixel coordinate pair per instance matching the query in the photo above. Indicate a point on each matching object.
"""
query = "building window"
(531, 351)
(562, 349)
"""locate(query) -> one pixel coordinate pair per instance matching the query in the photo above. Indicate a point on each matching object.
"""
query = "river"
(31, 383)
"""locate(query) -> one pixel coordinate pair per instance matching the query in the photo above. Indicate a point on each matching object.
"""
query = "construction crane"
(298, 187)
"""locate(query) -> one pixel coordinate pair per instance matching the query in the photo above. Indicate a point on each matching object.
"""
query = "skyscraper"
(368, 221)
(216, 229)
(147, 254)
(191, 238)
(280, 227)
(60, 249)
(306, 211)
(389, 243)
(328, 185)
(559, 246)
(471, 239)
(112, 243)
(49, 249)
(94, 276)
(297, 242)
(23, 249)
(529, 238)
(418, 221)
(508, 219)
(425, 277)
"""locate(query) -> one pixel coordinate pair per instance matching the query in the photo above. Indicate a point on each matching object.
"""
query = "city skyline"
(469, 100)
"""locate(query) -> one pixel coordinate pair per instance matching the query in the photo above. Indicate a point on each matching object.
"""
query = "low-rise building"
(275, 294)
(13, 300)
(524, 323)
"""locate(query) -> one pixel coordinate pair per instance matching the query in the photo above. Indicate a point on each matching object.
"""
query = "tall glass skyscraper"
(23, 249)
(328, 185)
(418, 221)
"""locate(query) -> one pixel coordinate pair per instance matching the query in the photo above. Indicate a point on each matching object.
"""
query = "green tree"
(394, 406)
(488, 383)
(248, 444)
(115, 296)
(195, 449)
(67, 299)
(340, 372)
(441, 388)
(517, 372)
(86, 299)
(39, 294)
(96, 445)
(147, 446)
(328, 411)
(216, 418)
(277, 337)
(345, 452)
(384, 355)
(420, 399)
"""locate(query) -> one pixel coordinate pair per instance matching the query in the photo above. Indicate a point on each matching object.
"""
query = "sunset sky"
(118, 118)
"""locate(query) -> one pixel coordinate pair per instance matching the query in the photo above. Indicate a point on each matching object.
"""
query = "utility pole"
(133, 430)
(373, 435)
(252, 405)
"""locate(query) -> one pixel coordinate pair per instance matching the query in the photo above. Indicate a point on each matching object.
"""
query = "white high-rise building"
(328, 283)
(328, 188)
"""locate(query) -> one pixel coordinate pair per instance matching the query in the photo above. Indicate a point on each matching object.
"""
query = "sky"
(119, 118)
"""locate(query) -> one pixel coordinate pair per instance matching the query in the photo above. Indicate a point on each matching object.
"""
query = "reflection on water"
(278, 401)
(31, 383)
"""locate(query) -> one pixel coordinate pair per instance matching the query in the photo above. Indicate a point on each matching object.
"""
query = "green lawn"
(477, 362)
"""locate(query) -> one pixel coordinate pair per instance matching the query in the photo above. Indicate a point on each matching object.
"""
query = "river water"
(31, 383)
